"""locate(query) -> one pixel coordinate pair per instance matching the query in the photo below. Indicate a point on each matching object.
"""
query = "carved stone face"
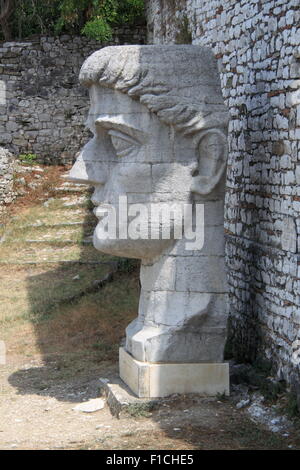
(132, 154)
(159, 126)
(159, 141)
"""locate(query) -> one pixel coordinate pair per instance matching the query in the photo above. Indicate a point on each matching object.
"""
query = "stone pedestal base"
(148, 380)
(122, 401)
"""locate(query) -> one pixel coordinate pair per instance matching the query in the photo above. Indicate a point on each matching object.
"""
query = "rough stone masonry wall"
(257, 46)
(7, 167)
(42, 106)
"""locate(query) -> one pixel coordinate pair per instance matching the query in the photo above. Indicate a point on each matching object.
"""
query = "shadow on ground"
(78, 303)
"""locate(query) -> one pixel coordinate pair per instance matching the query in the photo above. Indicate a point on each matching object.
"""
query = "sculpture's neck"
(181, 311)
(174, 281)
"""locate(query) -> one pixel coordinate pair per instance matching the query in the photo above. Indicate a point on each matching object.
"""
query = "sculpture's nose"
(79, 172)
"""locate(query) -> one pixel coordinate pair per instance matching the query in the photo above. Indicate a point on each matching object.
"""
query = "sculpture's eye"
(123, 144)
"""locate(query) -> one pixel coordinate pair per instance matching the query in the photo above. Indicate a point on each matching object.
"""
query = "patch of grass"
(259, 376)
(271, 389)
(89, 205)
(106, 350)
(47, 235)
(140, 410)
(44, 290)
(251, 436)
(222, 397)
(128, 265)
(263, 365)
(291, 408)
(47, 322)
(28, 158)
(58, 307)
(19, 228)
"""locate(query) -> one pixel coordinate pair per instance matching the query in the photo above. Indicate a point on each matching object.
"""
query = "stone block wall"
(7, 167)
(42, 106)
(257, 46)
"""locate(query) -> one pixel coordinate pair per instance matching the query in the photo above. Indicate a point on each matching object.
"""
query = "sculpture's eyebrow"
(110, 123)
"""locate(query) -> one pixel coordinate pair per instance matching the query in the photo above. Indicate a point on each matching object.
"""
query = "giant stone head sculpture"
(159, 129)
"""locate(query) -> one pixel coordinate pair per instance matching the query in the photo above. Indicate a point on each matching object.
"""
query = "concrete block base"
(148, 380)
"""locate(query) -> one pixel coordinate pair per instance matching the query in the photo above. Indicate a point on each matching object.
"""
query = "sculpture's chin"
(139, 249)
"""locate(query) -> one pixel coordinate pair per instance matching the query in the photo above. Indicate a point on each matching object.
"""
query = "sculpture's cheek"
(132, 178)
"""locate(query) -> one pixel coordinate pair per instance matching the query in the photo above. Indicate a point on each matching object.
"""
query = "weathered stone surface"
(90, 406)
(121, 400)
(257, 47)
(160, 380)
(7, 168)
(159, 126)
(289, 235)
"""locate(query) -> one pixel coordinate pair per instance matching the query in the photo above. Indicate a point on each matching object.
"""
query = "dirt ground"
(37, 412)
(64, 309)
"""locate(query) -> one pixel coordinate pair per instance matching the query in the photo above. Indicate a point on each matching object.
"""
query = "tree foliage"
(92, 18)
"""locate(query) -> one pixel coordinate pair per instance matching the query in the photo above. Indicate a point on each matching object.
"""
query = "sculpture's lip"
(101, 210)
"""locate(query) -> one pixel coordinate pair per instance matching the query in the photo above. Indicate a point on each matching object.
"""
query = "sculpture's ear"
(212, 155)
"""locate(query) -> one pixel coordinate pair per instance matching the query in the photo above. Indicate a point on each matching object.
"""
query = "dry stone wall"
(257, 46)
(7, 167)
(42, 106)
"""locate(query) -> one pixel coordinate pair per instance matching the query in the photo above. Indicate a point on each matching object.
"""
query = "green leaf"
(98, 29)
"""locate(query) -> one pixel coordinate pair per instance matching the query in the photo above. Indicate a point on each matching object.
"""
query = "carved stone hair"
(179, 83)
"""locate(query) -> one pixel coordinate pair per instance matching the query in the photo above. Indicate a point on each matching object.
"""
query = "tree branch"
(7, 8)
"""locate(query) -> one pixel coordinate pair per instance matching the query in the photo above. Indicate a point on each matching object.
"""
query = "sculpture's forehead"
(109, 101)
(112, 105)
